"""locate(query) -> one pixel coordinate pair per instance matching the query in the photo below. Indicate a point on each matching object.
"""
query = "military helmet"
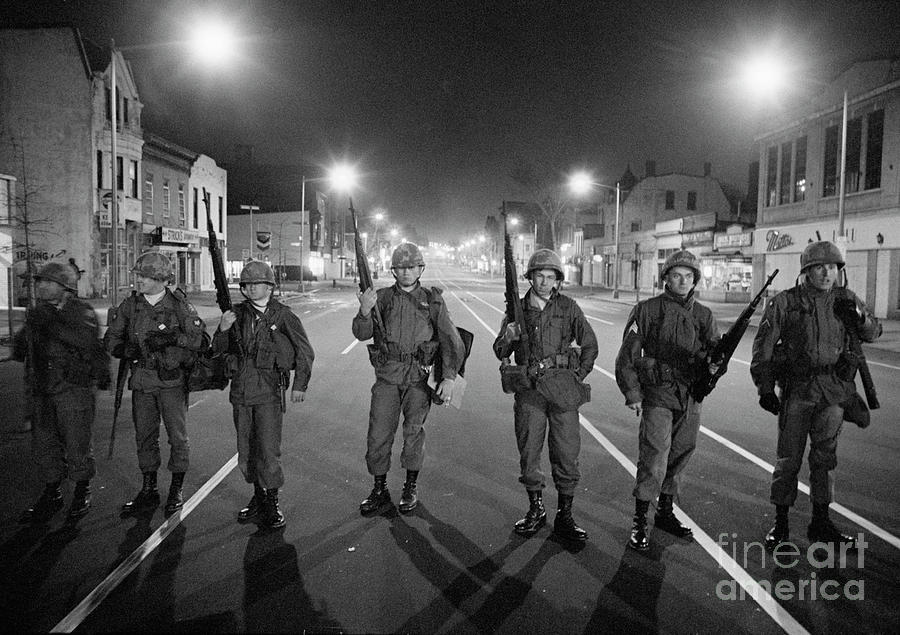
(59, 273)
(545, 259)
(257, 271)
(153, 265)
(822, 252)
(682, 258)
(407, 255)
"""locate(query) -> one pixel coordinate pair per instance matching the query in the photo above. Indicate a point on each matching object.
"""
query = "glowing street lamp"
(581, 183)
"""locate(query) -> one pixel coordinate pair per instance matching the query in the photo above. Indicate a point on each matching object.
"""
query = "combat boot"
(780, 531)
(535, 517)
(666, 520)
(377, 497)
(81, 499)
(147, 498)
(50, 502)
(270, 516)
(254, 506)
(410, 497)
(175, 501)
(640, 535)
(564, 525)
(821, 529)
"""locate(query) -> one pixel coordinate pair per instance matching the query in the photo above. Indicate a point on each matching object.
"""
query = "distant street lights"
(580, 183)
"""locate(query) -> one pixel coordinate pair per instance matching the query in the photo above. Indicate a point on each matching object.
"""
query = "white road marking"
(78, 614)
(350, 347)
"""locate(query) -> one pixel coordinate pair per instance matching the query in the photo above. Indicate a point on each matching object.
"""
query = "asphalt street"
(453, 564)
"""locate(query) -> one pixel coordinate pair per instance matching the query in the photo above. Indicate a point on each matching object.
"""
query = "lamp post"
(580, 183)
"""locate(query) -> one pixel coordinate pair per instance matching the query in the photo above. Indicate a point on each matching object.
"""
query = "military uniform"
(263, 348)
(69, 362)
(667, 339)
(802, 346)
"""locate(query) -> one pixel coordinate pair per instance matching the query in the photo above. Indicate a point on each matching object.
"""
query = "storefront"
(726, 267)
(182, 246)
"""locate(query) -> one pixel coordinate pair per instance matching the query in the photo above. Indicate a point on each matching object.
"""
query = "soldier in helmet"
(802, 346)
(667, 340)
(412, 330)
(553, 322)
(68, 364)
(265, 341)
(160, 333)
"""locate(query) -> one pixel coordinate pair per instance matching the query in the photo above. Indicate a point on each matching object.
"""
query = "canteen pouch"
(561, 387)
(209, 372)
(514, 378)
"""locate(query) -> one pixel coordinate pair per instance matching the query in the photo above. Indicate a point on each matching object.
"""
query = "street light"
(580, 183)
(343, 177)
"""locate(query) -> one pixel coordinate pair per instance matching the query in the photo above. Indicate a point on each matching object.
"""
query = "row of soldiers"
(666, 339)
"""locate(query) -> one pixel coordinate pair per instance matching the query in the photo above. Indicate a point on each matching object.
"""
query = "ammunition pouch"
(652, 372)
(561, 387)
(423, 356)
(856, 411)
(847, 365)
(209, 372)
(515, 378)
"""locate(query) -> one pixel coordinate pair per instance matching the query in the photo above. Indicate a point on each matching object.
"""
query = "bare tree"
(545, 189)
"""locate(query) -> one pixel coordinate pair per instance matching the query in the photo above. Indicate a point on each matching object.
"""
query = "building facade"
(800, 185)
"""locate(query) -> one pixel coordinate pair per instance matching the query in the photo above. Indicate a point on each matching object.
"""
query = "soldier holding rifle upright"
(802, 346)
(413, 334)
(550, 391)
(264, 341)
(160, 333)
(68, 364)
(667, 343)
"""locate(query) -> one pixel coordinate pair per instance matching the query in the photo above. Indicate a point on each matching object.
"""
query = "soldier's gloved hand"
(367, 301)
(848, 312)
(769, 401)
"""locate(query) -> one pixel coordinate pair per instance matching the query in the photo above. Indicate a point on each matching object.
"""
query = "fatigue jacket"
(551, 332)
(136, 319)
(666, 339)
(67, 347)
(418, 333)
(262, 347)
(803, 321)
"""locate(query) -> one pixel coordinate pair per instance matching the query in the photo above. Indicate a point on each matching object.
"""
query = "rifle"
(514, 377)
(223, 297)
(704, 383)
(121, 380)
(365, 276)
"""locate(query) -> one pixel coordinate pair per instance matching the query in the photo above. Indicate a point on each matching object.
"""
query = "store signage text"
(776, 240)
(173, 235)
(38, 254)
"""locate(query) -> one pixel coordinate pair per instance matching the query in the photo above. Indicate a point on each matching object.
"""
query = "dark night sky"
(438, 101)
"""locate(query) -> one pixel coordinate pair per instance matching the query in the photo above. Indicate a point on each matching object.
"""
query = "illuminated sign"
(775, 240)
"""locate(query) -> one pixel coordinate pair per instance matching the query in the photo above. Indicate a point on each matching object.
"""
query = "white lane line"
(350, 347)
(78, 614)
(784, 619)
(871, 363)
(781, 617)
(596, 319)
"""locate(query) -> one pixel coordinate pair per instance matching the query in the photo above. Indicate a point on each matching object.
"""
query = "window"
(124, 109)
(854, 149)
(800, 170)
(133, 178)
(6, 201)
(692, 201)
(874, 140)
(830, 163)
(670, 199)
(148, 196)
(221, 210)
(100, 168)
(771, 175)
(784, 182)
(635, 225)
(166, 202)
(120, 173)
(196, 210)
(182, 212)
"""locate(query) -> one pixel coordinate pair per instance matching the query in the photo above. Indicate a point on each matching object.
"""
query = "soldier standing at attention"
(550, 407)
(267, 343)
(801, 344)
(69, 363)
(415, 332)
(666, 338)
(160, 333)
